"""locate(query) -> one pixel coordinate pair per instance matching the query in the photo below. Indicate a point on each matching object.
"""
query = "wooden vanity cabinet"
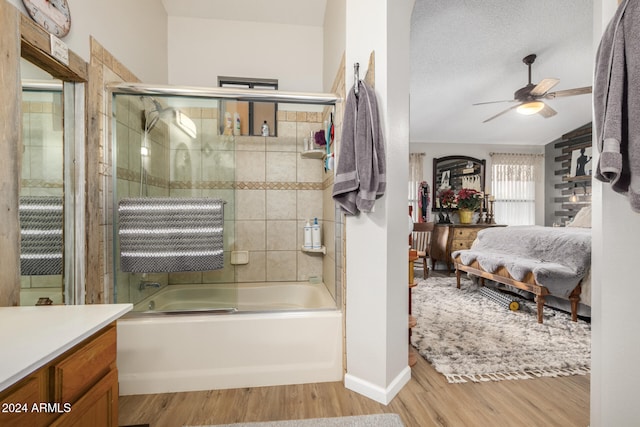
(79, 388)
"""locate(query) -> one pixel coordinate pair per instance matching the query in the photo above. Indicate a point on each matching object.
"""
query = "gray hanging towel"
(165, 235)
(41, 223)
(616, 103)
(361, 173)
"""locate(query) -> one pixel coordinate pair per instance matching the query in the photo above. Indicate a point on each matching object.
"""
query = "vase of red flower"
(468, 201)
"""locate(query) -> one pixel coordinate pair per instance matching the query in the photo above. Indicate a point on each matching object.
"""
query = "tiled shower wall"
(270, 192)
(277, 192)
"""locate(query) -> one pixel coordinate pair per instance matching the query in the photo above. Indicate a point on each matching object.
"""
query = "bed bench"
(546, 261)
(528, 283)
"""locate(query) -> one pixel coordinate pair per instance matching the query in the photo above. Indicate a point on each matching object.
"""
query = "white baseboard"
(375, 392)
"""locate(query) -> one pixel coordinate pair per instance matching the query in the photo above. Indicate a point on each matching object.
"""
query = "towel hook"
(356, 77)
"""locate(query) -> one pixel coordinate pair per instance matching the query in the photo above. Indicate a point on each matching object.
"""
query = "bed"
(552, 263)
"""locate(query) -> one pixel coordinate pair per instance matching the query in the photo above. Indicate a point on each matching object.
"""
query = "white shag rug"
(468, 337)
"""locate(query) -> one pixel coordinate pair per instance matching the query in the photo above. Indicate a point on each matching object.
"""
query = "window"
(513, 185)
(252, 115)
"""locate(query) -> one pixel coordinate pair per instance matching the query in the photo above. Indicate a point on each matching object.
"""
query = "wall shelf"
(313, 154)
(565, 186)
(322, 250)
(580, 178)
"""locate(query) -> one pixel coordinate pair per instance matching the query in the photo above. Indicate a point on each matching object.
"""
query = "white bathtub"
(160, 353)
(266, 296)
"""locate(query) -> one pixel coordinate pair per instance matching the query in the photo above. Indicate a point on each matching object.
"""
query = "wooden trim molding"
(103, 68)
(35, 42)
(10, 154)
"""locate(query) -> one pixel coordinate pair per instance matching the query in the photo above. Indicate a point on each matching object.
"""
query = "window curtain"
(513, 185)
(416, 188)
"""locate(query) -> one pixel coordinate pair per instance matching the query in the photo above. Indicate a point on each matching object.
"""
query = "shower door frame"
(214, 93)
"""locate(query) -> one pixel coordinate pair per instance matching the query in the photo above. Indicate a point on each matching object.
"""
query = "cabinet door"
(17, 403)
(89, 362)
(96, 408)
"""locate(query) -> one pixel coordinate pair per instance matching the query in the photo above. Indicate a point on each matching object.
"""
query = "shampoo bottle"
(228, 124)
(315, 235)
(236, 124)
(265, 129)
(307, 236)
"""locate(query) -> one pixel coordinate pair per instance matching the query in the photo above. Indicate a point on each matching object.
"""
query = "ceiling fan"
(529, 97)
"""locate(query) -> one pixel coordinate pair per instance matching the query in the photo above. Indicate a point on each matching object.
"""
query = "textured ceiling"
(469, 51)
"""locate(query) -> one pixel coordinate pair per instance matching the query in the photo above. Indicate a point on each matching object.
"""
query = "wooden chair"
(420, 239)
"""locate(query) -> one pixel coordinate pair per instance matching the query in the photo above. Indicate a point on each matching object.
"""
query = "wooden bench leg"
(540, 304)
(575, 299)
(458, 273)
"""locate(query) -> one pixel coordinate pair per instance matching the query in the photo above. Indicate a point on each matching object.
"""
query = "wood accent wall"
(10, 155)
(103, 68)
(574, 140)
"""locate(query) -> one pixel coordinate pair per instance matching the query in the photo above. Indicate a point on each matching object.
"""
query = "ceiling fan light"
(529, 108)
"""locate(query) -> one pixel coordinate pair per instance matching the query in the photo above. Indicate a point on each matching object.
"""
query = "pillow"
(582, 218)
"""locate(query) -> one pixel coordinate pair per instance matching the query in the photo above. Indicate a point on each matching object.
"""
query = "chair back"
(421, 236)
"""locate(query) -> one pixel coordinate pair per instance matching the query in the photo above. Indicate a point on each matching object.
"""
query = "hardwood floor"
(427, 400)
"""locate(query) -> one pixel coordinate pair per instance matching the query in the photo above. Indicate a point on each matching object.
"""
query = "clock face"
(52, 15)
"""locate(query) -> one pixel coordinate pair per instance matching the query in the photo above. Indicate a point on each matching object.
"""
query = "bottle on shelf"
(228, 124)
(265, 129)
(308, 244)
(315, 235)
(236, 124)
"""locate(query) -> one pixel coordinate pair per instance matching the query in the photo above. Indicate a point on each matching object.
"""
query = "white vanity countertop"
(31, 337)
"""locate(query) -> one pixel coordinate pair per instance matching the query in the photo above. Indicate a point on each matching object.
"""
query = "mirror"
(28, 41)
(248, 118)
(42, 187)
(456, 172)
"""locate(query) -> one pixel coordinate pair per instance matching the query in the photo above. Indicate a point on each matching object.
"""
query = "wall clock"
(52, 15)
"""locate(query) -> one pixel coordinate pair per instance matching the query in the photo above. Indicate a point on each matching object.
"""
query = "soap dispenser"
(307, 236)
(315, 235)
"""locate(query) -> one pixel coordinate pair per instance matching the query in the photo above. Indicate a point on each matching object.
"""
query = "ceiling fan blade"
(547, 112)
(494, 102)
(501, 113)
(544, 86)
(569, 92)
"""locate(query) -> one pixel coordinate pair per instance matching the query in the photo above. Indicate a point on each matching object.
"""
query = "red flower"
(447, 198)
(468, 198)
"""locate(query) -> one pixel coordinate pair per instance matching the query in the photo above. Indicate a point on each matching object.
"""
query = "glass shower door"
(171, 162)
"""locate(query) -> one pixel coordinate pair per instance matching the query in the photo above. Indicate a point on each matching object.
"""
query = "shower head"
(153, 111)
